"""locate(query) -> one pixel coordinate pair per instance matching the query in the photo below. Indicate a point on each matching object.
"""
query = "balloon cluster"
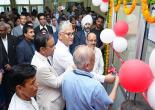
(116, 36)
(135, 75)
(102, 3)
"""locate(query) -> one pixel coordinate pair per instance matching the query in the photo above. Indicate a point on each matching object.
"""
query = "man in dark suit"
(80, 37)
(43, 24)
(25, 49)
(8, 59)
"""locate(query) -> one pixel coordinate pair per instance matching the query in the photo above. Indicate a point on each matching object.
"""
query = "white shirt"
(5, 43)
(43, 27)
(19, 104)
(99, 64)
(54, 28)
(62, 58)
(63, 61)
(21, 26)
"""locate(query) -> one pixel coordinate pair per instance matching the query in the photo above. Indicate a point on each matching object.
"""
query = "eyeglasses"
(69, 33)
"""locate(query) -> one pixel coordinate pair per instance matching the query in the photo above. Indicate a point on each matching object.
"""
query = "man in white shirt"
(62, 57)
(99, 64)
(24, 83)
(48, 94)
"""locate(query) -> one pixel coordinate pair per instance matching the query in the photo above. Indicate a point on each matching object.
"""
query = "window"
(36, 2)
(5, 2)
(30, 5)
(4, 5)
(22, 1)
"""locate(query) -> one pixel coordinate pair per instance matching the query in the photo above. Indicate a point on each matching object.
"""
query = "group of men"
(55, 73)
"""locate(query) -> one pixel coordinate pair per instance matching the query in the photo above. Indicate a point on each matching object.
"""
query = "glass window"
(20, 8)
(40, 9)
(22, 1)
(1, 9)
(5, 2)
(36, 1)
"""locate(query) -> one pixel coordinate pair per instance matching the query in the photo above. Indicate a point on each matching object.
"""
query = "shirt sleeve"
(100, 98)
(98, 77)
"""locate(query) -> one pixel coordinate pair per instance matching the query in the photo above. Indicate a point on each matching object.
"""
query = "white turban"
(87, 19)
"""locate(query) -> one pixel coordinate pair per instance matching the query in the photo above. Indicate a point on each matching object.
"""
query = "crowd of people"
(56, 59)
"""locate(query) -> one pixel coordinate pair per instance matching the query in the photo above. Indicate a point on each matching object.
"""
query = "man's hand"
(8, 67)
(109, 78)
(117, 79)
(1, 75)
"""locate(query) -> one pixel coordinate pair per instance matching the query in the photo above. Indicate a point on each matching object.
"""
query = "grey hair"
(82, 56)
(63, 25)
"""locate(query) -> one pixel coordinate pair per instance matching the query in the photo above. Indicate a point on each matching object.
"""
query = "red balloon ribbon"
(118, 56)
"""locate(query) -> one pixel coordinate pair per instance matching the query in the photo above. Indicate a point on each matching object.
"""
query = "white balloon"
(152, 62)
(120, 44)
(151, 95)
(107, 36)
(96, 2)
(104, 7)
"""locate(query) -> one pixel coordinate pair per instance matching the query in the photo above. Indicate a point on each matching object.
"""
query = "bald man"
(80, 90)
(99, 64)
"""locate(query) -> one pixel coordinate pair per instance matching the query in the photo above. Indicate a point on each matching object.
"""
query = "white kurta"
(99, 64)
(62, 58)
(20, 104)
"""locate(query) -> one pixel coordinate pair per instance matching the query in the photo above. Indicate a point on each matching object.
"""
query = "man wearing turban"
(80, 37)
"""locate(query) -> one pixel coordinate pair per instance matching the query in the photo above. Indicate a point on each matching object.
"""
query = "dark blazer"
(24, 52)
(49, 29)
(79, 39)
(10, 57)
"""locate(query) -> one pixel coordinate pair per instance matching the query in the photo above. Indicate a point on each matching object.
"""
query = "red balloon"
(121, 28)
(135, 76)
(105, 1)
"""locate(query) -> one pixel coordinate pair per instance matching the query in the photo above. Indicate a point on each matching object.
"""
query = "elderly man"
(48, 95)
(80, 37)
(8, 55)
(62, 57)
(99, 64)
(80, 90)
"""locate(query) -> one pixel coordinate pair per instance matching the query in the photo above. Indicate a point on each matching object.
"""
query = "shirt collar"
(21, 26)
(83, 73)
(41, 56)
(5, 37)
(61, 44)
(43, 27)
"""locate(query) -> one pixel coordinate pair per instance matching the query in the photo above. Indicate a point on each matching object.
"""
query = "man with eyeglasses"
(91, 41)
(48, 79)
(62, 57)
